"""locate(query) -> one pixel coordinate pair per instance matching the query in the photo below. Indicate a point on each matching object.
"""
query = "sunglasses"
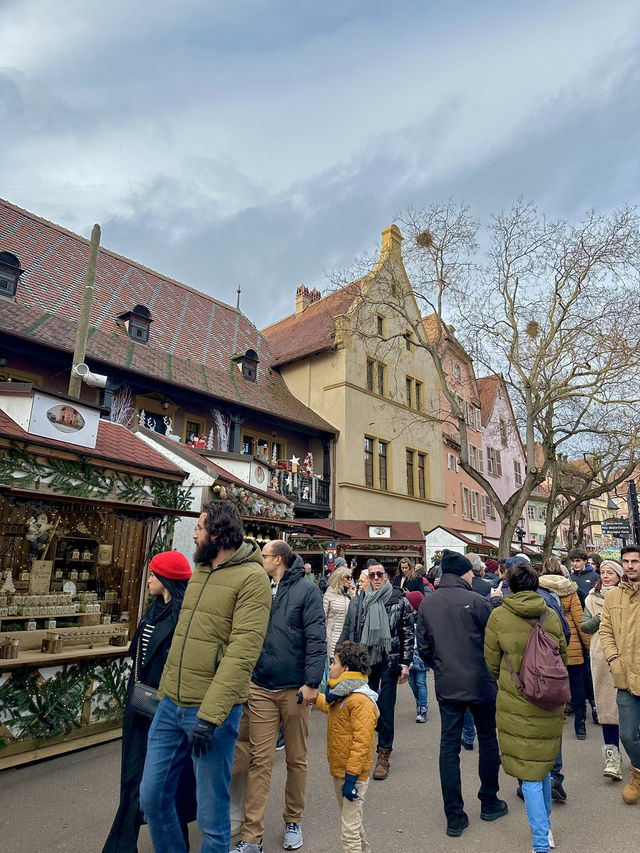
(377, 574)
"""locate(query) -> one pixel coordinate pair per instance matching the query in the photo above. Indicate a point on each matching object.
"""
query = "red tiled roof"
(487, 388)
(401, 531)
(312, 330)
(191, 341)
(114, 443)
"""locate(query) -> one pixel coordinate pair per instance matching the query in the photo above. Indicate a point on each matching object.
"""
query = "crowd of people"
(230, 659)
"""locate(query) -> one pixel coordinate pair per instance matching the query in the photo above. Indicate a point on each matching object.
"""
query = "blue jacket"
(295, 646)
(586, 581)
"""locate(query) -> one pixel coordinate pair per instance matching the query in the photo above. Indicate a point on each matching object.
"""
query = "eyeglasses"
(268, 554)
(377, 574)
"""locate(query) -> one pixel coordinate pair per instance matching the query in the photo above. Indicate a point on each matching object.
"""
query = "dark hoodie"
(295, 645)
(586, 581)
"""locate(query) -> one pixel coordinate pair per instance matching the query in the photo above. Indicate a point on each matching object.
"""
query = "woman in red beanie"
(169, 573)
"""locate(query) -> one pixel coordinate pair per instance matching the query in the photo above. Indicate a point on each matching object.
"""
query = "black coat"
(123, 837)
(295, 645)
(480, 585)
(410, 585)
(400, 626)
(450, 632)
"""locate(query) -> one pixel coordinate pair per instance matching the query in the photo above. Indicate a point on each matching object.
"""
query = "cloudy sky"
(266, 143)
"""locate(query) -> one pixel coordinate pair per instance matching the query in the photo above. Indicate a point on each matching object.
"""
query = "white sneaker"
(612, 762)
(292, 836)
(552, 843)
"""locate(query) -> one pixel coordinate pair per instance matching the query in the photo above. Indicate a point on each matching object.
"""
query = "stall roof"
(115, 443)
(200, 458)
(401, 531)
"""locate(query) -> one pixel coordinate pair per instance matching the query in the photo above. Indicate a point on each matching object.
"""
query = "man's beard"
(206, 553)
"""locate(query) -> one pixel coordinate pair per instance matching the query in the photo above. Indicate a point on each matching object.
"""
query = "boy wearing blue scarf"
(353, 713)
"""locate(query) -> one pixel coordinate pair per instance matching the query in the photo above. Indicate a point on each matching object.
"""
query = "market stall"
(78, 521)
(386, 541)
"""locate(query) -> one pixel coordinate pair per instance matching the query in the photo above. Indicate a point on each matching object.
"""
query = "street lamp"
(520, 531)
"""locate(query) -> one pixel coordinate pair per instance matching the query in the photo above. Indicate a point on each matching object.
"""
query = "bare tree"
(551, 306)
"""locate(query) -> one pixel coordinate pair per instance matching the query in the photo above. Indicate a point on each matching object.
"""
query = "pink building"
(504, 455)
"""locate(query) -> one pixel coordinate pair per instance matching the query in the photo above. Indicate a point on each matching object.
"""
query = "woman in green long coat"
(529, 737)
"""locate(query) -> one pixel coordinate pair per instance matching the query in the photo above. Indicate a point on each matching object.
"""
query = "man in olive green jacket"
(216, 644)
(620, 639)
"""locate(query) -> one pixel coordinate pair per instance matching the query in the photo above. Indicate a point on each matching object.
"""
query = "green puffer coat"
(219, 635)
(529, 737)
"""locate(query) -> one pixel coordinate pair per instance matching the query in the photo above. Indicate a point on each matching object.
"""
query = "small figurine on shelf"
(8, 587)
(305, 493)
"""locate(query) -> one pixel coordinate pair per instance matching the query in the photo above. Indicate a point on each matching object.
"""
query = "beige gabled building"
(351, 357)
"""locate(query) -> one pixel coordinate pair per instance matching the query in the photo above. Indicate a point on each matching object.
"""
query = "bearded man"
(216, 645)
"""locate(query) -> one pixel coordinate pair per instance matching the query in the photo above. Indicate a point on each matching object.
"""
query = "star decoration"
(295, 460)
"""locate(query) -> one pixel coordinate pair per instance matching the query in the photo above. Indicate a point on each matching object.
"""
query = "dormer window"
(137, 323)
(248, 364)
(10, 273)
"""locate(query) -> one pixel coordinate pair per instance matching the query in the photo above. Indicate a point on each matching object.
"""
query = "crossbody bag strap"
(136, 671)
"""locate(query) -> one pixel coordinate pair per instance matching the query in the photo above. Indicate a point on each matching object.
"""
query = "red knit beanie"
(172, 565)
(414, 598)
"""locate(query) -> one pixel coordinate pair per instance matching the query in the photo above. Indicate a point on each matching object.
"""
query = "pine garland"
(80, 478)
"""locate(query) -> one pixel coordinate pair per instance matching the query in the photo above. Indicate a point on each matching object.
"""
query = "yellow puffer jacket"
(620, 635)
(219, 635)
(352, 722)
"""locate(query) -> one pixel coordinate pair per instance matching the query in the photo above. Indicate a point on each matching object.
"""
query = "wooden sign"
(40, 580)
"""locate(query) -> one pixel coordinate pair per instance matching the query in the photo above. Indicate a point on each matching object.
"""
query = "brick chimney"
(315, 295)
(303, 298)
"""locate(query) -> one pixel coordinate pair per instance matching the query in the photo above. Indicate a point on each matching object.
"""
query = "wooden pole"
(75, 382)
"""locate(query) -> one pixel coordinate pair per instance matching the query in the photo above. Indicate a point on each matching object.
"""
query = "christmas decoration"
(81, 478)
(7, 587)
(295, 461)
(307, 465)
(274, 455)
(123, 407)
(222, 423)
(248, 503)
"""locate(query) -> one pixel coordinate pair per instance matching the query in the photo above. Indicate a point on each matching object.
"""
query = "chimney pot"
(303, 298)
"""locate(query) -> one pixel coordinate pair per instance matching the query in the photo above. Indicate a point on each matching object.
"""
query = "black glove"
(349, 789)
(201, 737)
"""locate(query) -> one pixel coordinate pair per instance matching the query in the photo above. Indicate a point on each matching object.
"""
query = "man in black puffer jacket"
(284, 685)
(390, 648)
(450, 633)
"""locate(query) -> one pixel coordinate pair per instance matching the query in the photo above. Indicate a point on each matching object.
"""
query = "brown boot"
(381, 770)
(631, 791)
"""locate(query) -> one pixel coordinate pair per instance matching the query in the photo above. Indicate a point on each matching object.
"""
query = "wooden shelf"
(58, 616)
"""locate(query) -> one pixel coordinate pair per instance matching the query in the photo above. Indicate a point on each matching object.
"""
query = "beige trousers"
(352, 829)
(256, 749)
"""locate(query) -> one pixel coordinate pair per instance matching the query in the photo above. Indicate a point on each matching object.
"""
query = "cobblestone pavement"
(67, 803)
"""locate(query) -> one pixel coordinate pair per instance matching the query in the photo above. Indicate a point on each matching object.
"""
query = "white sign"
(63, 420)
(379, 532)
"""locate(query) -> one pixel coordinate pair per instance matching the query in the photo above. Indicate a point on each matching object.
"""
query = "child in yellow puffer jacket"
(353, 713)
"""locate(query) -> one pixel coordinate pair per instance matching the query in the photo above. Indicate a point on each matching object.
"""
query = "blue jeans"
(167, 750)
(537, 799)
(418, 683)
(468, 728)
(629, 723)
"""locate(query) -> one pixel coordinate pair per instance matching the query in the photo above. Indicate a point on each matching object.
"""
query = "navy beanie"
(519, 558)
(452, 563)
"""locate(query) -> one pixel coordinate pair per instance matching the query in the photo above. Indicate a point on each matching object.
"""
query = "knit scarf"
(376, 636)
(338, 688)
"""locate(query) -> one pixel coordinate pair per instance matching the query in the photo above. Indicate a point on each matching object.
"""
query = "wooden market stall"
(78, 520)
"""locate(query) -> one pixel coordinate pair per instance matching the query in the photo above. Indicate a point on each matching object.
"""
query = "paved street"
(67, 803)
